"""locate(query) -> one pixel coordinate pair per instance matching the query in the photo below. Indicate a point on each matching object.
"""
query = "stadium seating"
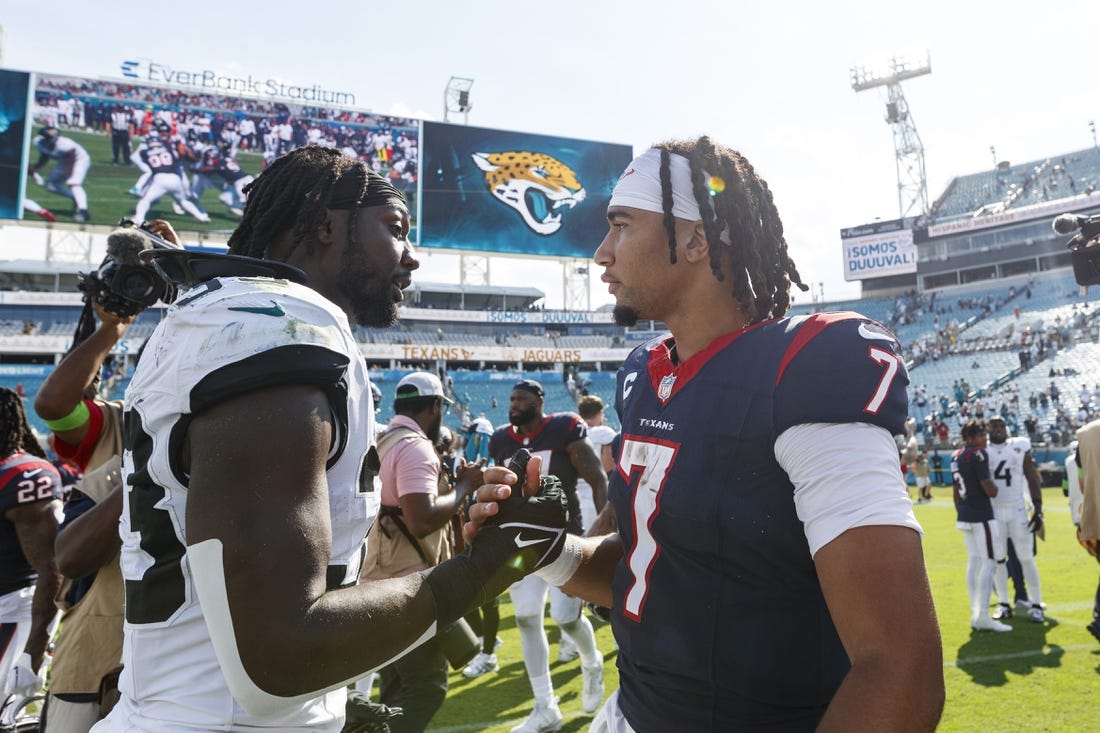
(1020, 185)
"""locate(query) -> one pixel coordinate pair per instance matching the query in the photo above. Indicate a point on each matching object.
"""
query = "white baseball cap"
(420, 384)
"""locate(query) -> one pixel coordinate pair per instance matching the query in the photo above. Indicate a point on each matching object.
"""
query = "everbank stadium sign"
(213, 81)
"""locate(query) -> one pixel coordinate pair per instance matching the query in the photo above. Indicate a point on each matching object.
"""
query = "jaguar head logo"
(538, 186)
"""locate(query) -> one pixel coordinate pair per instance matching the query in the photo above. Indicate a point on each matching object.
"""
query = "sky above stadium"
(770, 79)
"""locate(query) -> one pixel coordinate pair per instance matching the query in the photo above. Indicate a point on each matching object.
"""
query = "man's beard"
(433, 430)
(524, 417)
(371, 297)
(624, 315)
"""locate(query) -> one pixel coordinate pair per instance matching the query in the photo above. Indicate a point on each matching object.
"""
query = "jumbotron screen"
(112, 139)
(80, 151)
(515, 192)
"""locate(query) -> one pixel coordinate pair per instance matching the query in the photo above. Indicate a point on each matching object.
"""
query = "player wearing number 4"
(1012, 467)
(767, 571)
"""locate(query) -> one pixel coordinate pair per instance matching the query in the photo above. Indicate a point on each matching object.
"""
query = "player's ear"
(327, 228)
(695, 247)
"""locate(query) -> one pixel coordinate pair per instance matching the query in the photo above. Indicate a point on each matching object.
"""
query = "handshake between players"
(512, 532)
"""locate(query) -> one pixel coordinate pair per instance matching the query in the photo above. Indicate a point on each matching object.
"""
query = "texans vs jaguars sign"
(516, 193)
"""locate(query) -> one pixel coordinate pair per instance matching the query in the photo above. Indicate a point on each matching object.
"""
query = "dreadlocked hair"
(739, 208)
(15, 433)
(292, 194)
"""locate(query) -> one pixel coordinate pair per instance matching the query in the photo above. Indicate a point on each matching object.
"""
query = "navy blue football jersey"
(969, 465)
(718, 613)
(549, 441)
(24, 479)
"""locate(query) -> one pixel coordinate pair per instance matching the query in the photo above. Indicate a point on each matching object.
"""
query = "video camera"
(123, 284)
(1084, 246)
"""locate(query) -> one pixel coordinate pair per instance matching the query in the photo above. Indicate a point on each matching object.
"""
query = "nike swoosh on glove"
(22, 679)
(526, 534)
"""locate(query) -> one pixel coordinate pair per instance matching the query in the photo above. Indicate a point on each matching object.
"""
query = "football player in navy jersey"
(973, 489)
(560, 440)
(249, 424)
(767, 571)
(30, 502)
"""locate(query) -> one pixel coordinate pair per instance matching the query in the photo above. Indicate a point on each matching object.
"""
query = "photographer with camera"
(412, 533)
(87, 429)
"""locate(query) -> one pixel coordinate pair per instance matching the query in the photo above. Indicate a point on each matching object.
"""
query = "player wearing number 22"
(767, 570)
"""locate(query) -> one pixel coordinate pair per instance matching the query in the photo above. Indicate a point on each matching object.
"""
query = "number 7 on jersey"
(645, 465)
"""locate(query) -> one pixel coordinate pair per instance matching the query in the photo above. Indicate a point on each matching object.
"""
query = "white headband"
(639, 186)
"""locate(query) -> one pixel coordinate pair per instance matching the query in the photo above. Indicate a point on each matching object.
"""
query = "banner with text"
(879, 253)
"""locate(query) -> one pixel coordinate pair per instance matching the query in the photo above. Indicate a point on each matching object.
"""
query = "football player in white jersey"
(590, 408)
(67, 177)
(246, 466)
(1012, 467)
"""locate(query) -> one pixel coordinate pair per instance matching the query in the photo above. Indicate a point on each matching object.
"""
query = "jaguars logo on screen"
(538, 186)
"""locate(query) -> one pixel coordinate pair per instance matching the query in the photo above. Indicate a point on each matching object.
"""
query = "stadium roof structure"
(471, 297)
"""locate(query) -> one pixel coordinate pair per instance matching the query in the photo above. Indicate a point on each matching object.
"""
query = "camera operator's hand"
(109, 320)
(164, 230)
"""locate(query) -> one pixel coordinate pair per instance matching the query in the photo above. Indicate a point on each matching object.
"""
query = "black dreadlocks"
(737, 204)
(15, 433)
(292, 194)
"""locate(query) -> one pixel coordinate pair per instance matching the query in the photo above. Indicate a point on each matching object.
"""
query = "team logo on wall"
(664, 389)
(538, 186)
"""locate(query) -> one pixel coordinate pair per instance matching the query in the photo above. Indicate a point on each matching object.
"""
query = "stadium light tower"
(456, 98)
(908, 150)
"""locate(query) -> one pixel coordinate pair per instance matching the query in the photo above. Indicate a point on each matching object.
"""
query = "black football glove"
(1036, 523)
(527, 533)
(364, 716)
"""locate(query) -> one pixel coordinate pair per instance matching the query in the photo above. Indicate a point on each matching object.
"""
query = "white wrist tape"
(565, 566)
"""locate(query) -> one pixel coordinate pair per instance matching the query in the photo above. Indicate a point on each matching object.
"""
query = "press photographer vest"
(392, 550)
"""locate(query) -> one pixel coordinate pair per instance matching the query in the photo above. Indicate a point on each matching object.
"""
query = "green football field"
(108, 186)
(1039, 677)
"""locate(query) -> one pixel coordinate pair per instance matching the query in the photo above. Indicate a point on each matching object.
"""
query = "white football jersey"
(220, 339)
(1006, 468)
(598, 437)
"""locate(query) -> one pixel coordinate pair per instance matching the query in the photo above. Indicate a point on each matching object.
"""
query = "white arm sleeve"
(206, 563)
(845, 475)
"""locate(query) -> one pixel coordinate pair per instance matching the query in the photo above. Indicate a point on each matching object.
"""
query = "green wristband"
(74, 419)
